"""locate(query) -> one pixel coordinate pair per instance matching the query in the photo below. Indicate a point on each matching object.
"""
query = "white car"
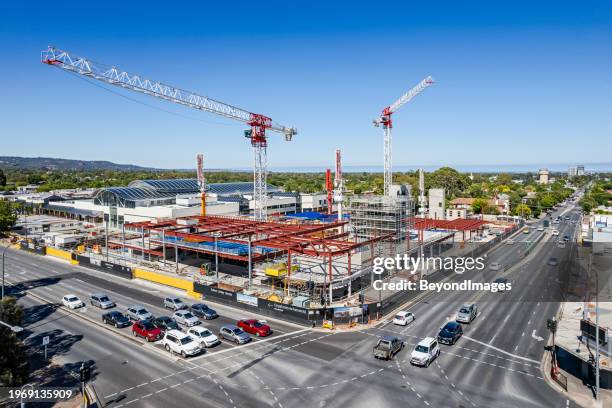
(495, 266)
(403, 318)
(540, 228)
(178, 342)
(425, 352)
(509, 242)
(203, 336)
(185, 317)
(554, 233)
(72, 302)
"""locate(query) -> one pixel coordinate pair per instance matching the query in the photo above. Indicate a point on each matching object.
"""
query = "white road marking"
(500, 350)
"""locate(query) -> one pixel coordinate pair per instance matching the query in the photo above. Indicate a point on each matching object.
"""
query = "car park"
(174, 303)
(386, 347)
(203, 336)
(202, 310)
(116, 318)
(185, 317)
(101, 300)
(178, 342)
(166, 323)
(72, 302)
(425, 352)
(137, 313)
(450, 333)
(467, 313)
(403, 318)
(495, 266)
(233, 333)
(147, 330)
(552, 261)
(254, 326)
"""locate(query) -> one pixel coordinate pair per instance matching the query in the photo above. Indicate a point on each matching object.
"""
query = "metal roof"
(178, 186)
(135, 193)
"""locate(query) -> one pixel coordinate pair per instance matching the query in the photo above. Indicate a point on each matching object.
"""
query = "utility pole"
(3, 255)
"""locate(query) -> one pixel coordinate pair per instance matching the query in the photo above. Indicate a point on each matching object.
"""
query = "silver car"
(234, 333)
(174, 303)
(467, 313)
(185, 317)
(101, 300)
(137, 312)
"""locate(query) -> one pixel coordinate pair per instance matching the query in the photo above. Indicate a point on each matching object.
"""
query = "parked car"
(450, 333)
(467, 313)
(72, 302)
(101, 300)
(174, 303)
(403, 318)
(137, 312)
(254, 326)
(233, 333)
(552, 261)
(387, 347)
(495, 266)
(166, 323)
(509, 241)
(201, 310)
(203, 336)
(175, 341)
(185, 317)
(116, 318)
(147, 330)
(425, 352)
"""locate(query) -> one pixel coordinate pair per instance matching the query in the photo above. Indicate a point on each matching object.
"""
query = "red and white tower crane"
(385, 121)
(338, 185)
(258, 123)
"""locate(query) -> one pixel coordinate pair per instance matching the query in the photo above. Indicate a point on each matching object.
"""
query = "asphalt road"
(496, 363)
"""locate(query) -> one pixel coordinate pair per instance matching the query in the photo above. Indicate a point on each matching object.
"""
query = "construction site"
(310, 261)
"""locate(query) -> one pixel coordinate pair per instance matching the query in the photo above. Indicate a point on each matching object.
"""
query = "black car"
(116, 319)
(166, 323)
(566, 238)
(450, 333)
(500, 282)
(201, 310)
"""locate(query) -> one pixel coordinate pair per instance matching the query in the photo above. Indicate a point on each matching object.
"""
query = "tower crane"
(385, 121)
(201, 182)
(256, 134)
(338, 184)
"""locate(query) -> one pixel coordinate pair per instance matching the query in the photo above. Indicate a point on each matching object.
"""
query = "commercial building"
(543, 176)
(437, 204)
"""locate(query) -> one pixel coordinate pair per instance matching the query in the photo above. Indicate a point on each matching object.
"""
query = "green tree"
(479, 206)
(8, 216)
(522, 209)
(14, 364)
(2, 179)
(450, 180)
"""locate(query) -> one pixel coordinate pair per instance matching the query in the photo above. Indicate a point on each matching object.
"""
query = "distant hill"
(49, 163)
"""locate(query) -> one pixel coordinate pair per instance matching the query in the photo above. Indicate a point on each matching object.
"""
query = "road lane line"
(500, 350)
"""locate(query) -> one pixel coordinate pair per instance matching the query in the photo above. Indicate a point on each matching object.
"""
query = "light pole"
(14, 329)
(3, 254)
(27, 385)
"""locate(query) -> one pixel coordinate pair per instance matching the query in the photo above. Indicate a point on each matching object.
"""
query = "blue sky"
(517, 83)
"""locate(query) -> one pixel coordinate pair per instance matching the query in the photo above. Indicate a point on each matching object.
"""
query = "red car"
(146, 330)
(255, 327)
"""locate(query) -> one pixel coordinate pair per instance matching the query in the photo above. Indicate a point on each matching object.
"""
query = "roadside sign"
(45, 340)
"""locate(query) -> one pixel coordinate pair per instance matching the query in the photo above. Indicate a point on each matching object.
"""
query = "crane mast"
(385, 121)
(201, 182)
(258, 123)
(338, 184)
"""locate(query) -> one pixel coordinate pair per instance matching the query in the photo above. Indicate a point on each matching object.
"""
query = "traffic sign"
(45, 340)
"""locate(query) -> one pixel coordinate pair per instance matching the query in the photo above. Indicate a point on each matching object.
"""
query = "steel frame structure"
(258, 123)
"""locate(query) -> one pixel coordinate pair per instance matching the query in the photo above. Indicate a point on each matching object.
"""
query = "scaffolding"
(375, 216)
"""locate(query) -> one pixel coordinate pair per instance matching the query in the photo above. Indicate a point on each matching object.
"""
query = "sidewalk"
(577, 391)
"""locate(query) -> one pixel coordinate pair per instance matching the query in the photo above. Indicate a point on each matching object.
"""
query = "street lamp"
(14, 329)
(26, 385)
(3, 253)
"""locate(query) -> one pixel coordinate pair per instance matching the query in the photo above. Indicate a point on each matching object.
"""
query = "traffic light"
(551, 324)
(85, 373)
